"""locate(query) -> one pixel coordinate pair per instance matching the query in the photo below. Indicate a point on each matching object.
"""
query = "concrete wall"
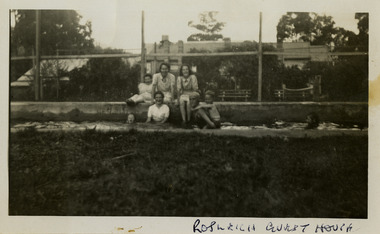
(235, 112)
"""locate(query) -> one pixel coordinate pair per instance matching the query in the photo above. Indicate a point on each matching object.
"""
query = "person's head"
(209, 97)
(312, 120)
(185, 70)
(159, 97)
(148, 78)
(194, 99)
(131, 118)
(164, 69)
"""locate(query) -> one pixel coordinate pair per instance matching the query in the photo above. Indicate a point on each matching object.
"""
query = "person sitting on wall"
(187, 83)
(164, 82)
(145, 92)
(201, 116)
(158, 112)
(213, 111)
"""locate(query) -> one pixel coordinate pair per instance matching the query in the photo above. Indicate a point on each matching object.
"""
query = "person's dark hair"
(159, 92)
(312, 120)
(166, 64)
(185, 65)
(211, 93)
(147, 74)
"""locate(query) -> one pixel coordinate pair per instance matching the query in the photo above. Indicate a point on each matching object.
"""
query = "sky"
(117, 24)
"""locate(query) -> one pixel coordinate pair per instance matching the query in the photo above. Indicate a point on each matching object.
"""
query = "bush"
(103, 79)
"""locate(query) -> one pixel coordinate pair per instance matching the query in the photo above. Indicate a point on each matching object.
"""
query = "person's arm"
(153, 90)
(167, 112)
(179, 86)
(203, 114)
(195, 83)
(209, 106)
(154, 86)
(164, 120)
(141, 88)
(149, 116)
(172, 88)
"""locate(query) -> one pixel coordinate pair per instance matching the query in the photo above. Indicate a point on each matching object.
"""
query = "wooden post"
(37, 78)
(260, 55)
(143, 60)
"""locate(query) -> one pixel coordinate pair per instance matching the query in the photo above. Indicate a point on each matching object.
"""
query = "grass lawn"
(186, 174)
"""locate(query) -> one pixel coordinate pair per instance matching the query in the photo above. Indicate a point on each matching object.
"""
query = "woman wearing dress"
(187, 84)
(164, 81)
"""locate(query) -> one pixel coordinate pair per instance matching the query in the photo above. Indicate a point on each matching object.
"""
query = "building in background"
(303, 53)
(295, 53)
(23, 87)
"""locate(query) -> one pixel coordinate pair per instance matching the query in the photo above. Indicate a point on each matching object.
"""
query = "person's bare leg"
(188, 110)
(183, 111)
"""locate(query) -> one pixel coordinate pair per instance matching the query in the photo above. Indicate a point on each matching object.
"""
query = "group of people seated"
(159, 91)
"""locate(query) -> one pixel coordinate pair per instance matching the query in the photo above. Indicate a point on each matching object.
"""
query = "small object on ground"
(125, 155)
(195, 127)
(312, 120)
(227, 124)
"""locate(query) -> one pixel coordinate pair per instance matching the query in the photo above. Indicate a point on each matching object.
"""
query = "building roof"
(51, 70)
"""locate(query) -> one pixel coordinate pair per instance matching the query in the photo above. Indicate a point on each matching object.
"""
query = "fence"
(120, 78)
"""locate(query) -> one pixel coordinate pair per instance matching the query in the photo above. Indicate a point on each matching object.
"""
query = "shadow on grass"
(186, 174)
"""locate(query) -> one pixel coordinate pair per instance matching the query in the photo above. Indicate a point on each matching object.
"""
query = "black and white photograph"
(196, 116)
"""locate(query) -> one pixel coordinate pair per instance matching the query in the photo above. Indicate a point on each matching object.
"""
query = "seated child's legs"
(199, 121)
(217, 123)
(137, 98)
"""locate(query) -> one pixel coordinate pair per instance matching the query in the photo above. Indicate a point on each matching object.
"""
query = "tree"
(103, 79)
(363, 31)
(209, 27)
(61, 31)
(305, 26)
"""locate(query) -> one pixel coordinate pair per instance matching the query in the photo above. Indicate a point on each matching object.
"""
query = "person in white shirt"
(158, 112)
(145, 92)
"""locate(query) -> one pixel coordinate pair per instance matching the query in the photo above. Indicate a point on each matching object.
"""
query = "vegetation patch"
(167, 174)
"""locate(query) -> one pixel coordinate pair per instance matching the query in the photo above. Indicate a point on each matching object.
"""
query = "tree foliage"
(362, 37)
(61, 32)
(103, 79)
(305, 26)
(321, 30)
(209, 27)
